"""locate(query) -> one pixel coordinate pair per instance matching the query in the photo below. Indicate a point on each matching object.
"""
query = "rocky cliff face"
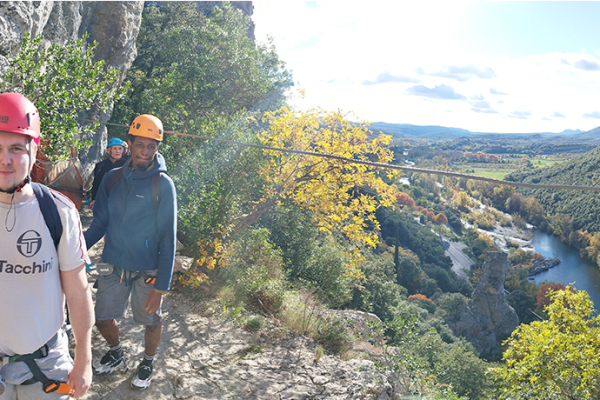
(114, 25)
(487, 319)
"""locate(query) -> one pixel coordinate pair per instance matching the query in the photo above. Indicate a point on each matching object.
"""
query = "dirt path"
(203, 355)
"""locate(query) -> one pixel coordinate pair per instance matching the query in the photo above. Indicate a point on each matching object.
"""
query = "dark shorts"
(114, 291)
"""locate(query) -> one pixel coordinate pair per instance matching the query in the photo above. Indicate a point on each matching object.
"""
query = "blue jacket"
(137, 237)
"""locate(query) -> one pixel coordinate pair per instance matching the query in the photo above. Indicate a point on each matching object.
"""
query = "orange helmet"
(19, 115)
(147, 126)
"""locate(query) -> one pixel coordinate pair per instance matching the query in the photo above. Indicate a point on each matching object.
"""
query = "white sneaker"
(111, 361)
(143, 375)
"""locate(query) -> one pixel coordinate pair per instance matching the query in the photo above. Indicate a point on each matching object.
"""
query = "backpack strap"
(154, 185)
(49, 210)
(114, 178)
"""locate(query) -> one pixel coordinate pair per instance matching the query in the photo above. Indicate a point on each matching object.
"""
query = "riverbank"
(507, 236)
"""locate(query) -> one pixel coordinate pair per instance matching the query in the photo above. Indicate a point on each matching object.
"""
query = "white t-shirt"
(31, 297)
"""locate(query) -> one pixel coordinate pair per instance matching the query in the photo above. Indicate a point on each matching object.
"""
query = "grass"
(499, 171)
(546, 162)
(492, 172)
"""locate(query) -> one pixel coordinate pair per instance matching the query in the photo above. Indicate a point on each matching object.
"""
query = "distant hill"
(594, 134)
(582, 207)
(432, 132)
(441, 132)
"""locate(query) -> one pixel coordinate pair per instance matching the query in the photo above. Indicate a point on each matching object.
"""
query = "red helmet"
(19, 115)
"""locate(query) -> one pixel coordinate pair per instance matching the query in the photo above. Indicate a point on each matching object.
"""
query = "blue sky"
(484, 66)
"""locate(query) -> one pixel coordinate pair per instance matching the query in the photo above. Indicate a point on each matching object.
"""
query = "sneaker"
(111, 361)
(142, 377)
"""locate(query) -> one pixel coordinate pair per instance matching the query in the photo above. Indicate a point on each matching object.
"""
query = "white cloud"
(339, 51)
(593, 114)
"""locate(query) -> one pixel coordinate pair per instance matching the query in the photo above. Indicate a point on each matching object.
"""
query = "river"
(572, 270)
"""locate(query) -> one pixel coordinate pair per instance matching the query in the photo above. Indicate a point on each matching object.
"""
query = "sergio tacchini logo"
(29, 243)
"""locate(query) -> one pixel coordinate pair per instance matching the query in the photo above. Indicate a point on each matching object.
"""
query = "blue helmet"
(115, 142)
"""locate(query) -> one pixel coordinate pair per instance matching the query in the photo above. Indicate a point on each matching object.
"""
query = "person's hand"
(80, 379)
(153, 302)
(92, 204)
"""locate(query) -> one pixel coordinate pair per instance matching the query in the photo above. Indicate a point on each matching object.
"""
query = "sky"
(508, 67)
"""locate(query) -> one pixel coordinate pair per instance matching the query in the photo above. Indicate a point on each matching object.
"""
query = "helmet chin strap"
(18, 187)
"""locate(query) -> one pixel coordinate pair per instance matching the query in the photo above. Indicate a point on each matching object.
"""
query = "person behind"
(139, 248)
(36, 276)
(117, 156)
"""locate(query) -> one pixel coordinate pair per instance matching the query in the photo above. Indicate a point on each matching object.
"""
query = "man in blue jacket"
(140, 246)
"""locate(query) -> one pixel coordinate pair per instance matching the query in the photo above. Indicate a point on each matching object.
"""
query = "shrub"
(62, 82)
(326, 274)
(255, 272)
(426, 366)
(379, 293)
(422, 302)
(305, 315)
(254, 323)
(260, 292)
(332, 333)
(448, 303)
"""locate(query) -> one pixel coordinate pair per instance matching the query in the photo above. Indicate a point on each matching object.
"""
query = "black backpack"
(49, 210)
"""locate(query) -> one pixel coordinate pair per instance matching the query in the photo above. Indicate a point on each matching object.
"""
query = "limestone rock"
(182, 263)
(487, 319)
(18, 17)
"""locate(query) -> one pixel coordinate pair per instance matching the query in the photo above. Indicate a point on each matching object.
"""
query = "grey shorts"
(113, 294)
(56, 365)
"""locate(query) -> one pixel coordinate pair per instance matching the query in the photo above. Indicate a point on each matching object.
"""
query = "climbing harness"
(49, 385)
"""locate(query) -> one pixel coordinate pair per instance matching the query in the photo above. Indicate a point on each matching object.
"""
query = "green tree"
(201, 75)
(556, 358)
(426, 366)
(198, 74)
(523, 304)
(62, 81)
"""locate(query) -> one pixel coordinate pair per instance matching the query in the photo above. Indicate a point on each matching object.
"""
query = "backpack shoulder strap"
(49, 211)
(155, 190)
(114, 178)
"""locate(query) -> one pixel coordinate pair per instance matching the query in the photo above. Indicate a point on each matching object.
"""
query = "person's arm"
(79, 301)
(167, 225)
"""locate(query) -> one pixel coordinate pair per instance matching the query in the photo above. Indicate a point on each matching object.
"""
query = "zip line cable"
(385, 166)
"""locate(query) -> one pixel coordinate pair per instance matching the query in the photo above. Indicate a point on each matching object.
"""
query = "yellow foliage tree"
(341, 195)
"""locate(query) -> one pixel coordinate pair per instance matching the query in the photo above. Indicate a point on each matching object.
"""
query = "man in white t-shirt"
(37, 276)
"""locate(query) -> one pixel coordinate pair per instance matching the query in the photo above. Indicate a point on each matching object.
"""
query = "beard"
(142, 165)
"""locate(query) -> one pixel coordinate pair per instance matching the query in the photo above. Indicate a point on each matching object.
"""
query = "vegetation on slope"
(582, 207)
(297, 237)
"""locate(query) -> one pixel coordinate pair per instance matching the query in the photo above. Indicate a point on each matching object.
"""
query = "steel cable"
(386, 166)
